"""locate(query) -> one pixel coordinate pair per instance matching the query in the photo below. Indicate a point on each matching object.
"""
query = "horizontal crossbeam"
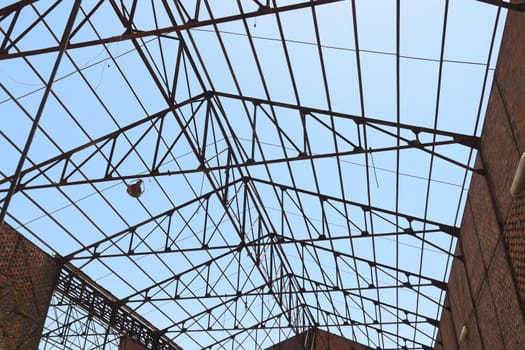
(99, 303)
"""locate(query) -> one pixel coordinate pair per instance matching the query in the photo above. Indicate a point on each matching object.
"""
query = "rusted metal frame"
(41, 17)
(175, 28)
(88, 295)
(158, 217)
(150, 289)
(385, 268)
(16, 177)
(255, 56)
(225, 133)
(111, 137)
(267, 223)
(7, 34)
(259, 326)
(17, 6)
(356, 293)
(186, 135)
(109, 268)
(225, 299)
(91, 184)
(513, 6)
(453, 231)
(259, 290)
(253, 124)
(463, 139)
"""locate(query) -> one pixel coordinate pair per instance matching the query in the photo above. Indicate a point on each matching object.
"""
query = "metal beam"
(513, 6)
(101, 304)
(133, 35)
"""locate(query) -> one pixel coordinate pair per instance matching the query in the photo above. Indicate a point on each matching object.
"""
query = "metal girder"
(513, 6)
(130, 33)
(71, 327)
(17, 6)
(97, 248)
(61, 50)
(262, 217)
(114, 148)
(69, 163)
(191, 143)
(88, 295)
(451, 230)
(462, 139)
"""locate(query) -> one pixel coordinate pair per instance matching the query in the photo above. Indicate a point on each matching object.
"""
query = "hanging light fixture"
(135, 189)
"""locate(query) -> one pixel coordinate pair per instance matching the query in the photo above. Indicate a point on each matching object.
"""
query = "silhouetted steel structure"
(263, 214)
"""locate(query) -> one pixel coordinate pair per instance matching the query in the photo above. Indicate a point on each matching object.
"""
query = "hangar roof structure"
(233, 173)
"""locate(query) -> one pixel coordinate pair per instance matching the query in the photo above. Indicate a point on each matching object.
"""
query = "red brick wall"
(27, 278)
(487, 289)
(321, 340)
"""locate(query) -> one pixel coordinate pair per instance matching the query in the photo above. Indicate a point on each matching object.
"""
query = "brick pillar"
(486, 291)
(27, 278)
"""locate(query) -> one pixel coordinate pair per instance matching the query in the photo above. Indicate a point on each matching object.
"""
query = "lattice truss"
(304, 163)
(70, 327)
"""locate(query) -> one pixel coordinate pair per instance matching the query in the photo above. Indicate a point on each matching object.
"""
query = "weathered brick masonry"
(317, 339)
(486, 290)
(27, 278)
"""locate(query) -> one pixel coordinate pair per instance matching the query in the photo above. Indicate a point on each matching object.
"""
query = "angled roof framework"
(304, 163)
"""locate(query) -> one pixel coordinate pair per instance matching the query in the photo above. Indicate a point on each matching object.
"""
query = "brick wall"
(27, 278)
(486, 290)
(317, 340)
